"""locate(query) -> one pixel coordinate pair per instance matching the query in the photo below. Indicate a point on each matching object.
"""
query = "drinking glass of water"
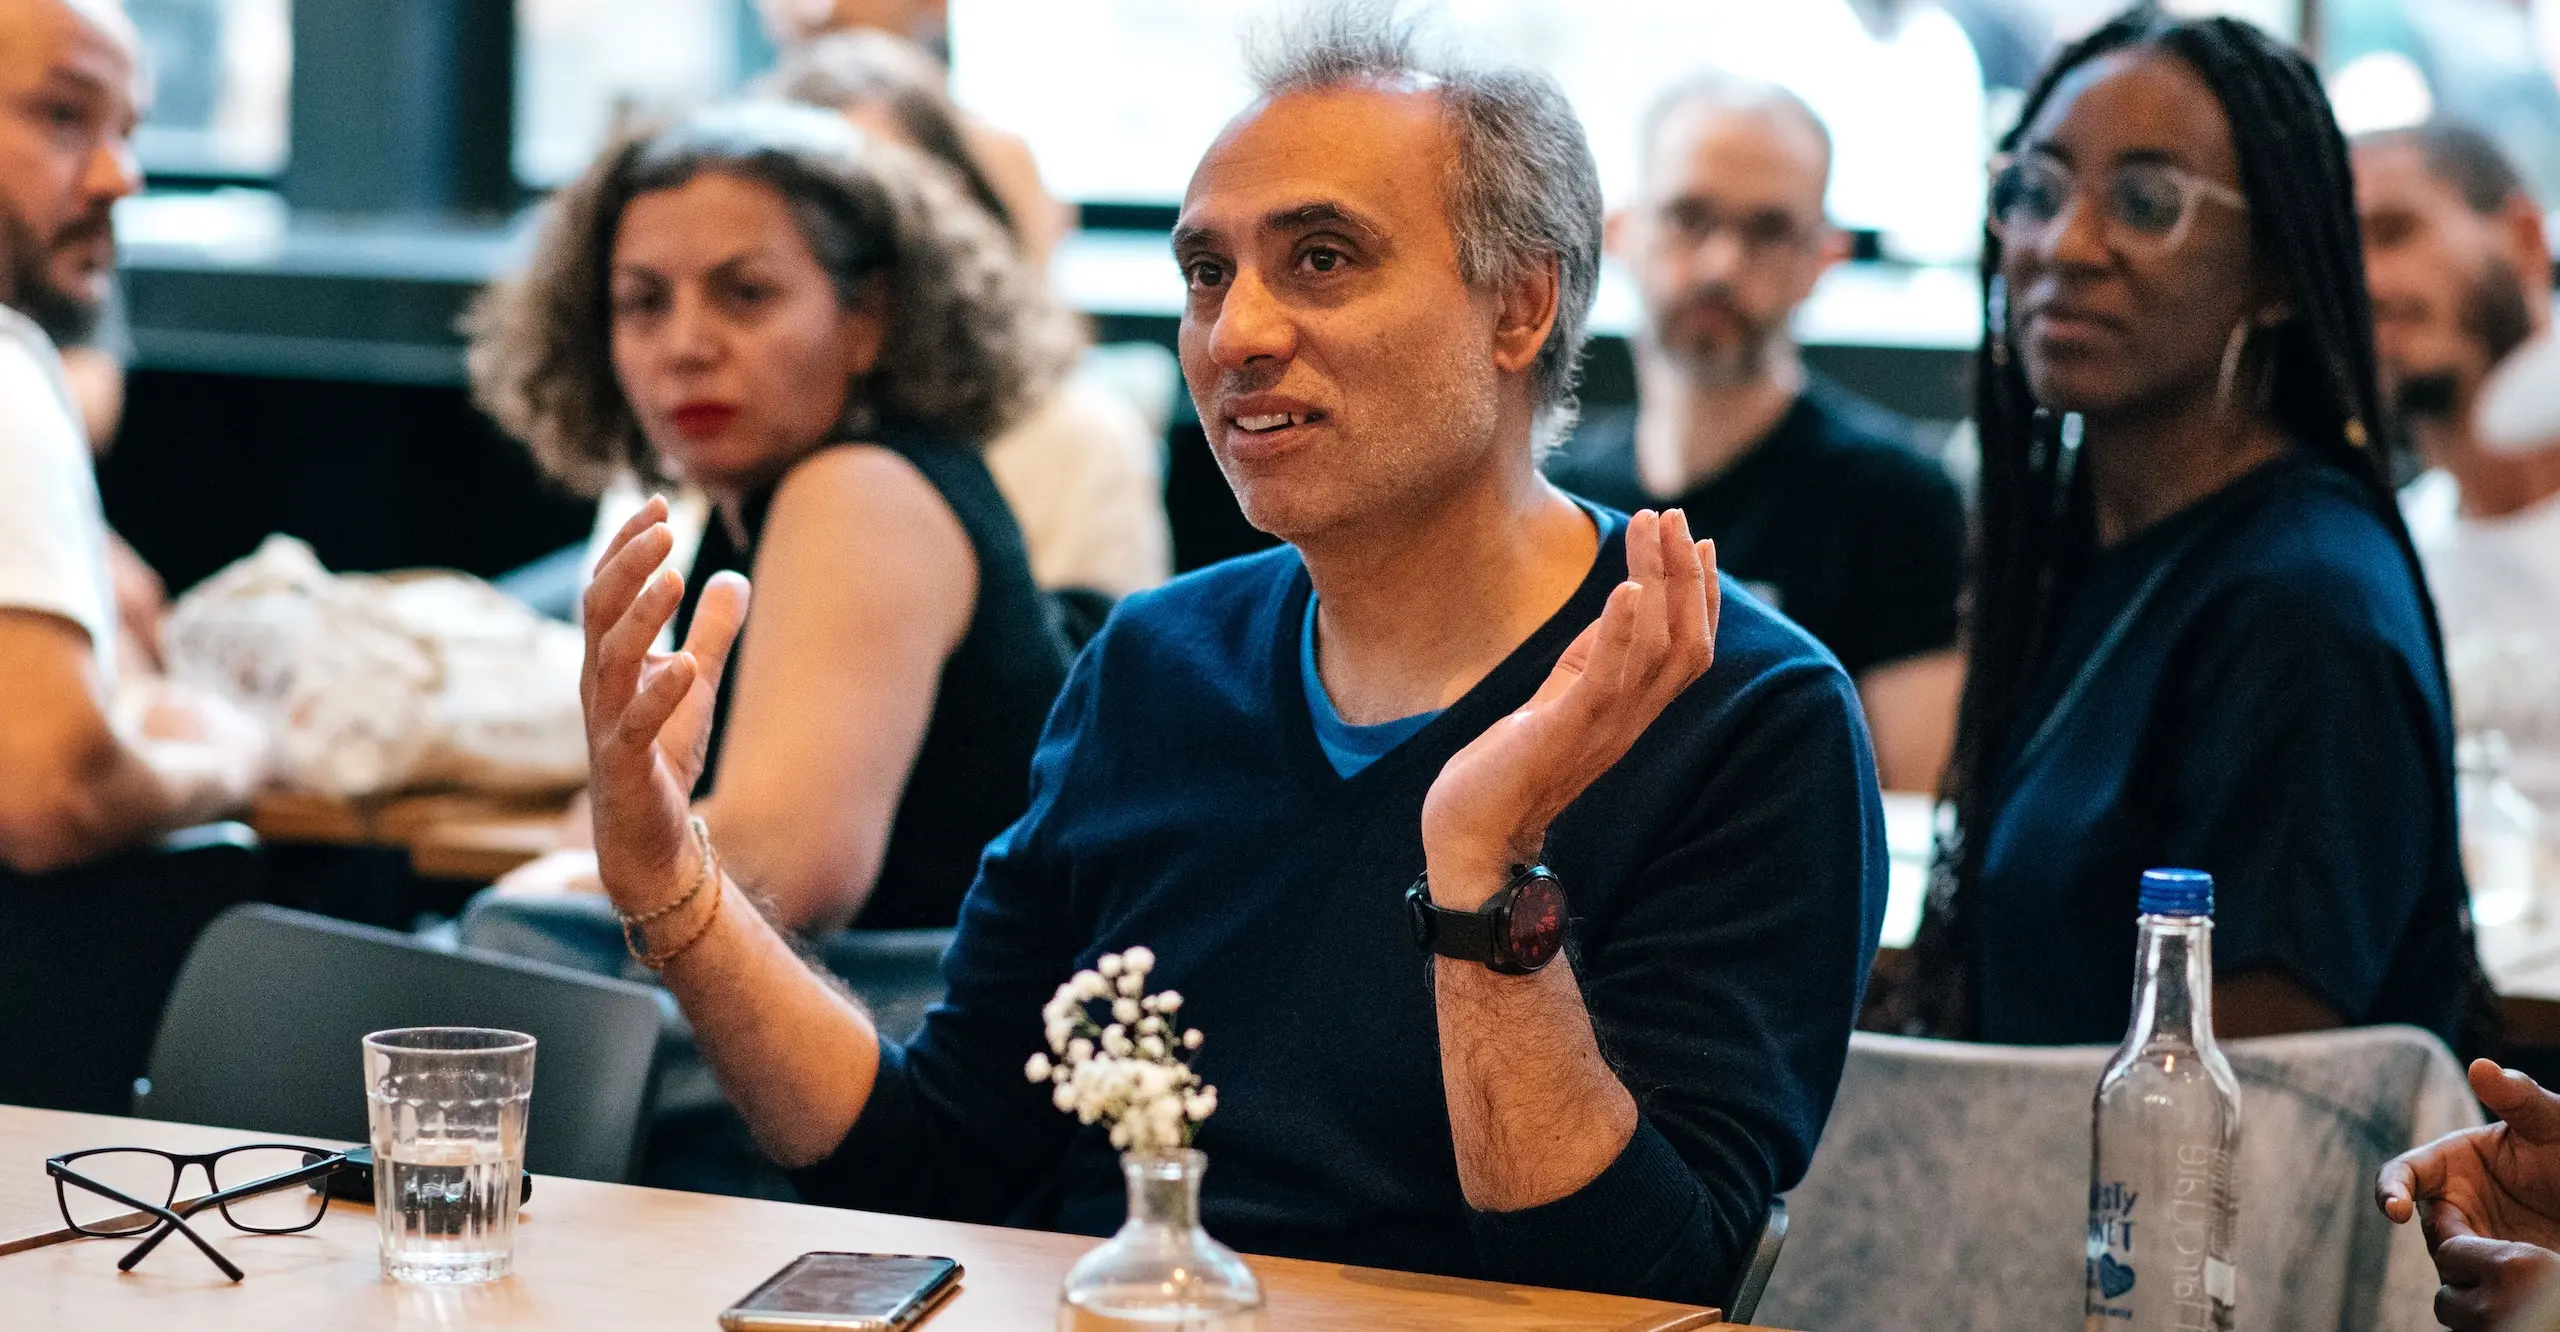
(447, 1111)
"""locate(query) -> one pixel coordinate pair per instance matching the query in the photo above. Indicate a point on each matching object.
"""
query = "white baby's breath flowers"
(1134, 1072)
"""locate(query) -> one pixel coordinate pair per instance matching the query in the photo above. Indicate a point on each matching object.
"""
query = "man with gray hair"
(1824, 504)
(1527, 945)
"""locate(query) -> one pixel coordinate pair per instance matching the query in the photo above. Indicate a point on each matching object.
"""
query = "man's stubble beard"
(2495, 316)
(1747, 360)
(65, 316)
(1450, 416)
(2494, 311)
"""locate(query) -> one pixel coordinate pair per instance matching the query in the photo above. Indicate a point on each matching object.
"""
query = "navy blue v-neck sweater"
(1726, 883)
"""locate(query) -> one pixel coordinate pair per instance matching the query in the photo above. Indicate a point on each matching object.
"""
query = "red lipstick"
(702, 420)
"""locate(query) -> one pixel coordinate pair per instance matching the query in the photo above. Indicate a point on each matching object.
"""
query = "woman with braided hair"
(2198, 636)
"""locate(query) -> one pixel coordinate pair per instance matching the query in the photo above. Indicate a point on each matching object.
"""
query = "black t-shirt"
(1836, 517)
(972, 773)
(2264, 704)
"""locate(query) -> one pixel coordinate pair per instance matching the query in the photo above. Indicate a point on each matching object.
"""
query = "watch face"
(1535, 928)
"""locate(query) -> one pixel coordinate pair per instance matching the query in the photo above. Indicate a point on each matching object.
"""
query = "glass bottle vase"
(1162, 1272)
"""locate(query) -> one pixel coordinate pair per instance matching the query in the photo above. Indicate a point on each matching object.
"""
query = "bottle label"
(2200, 1278)
(2172, 1242)
(2111, 1226)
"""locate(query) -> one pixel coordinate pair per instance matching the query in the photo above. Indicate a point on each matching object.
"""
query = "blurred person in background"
(94, 357)
(815, 328)
(1039, 219)
(2460, 272)
(1827, 506)
(1083, 470)
(93, 365)
(98, 757)
(2197, 631)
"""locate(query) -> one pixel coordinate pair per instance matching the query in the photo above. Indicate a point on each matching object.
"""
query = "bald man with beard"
(79, 787)
(2460, 274)
(1827, 506)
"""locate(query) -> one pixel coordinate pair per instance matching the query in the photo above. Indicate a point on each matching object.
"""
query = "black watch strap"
(1479, 936)
(1465, 935)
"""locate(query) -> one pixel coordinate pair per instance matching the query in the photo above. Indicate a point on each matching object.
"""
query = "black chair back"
(87, 956)
(1764, 1260)
(265, 1031)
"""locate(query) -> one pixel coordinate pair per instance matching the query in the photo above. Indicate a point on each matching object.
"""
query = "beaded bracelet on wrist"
(706, 871)
(659, 961)
(701, 865)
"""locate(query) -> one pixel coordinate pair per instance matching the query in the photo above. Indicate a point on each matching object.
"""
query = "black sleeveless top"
(972, 773)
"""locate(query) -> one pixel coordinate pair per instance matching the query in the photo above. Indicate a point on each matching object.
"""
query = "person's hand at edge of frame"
(2487, 1282)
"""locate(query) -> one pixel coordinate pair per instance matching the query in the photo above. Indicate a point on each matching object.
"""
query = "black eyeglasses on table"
(259, 1187)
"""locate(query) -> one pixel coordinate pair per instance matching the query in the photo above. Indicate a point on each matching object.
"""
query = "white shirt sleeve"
(53, 530)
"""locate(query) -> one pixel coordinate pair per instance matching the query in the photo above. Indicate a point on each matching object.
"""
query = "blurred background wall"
(332, 179)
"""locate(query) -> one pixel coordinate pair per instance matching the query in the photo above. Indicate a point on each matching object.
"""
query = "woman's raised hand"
(649, 713)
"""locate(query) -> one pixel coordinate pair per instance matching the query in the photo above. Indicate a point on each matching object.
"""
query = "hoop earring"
(1999, 307)
(2232, 351)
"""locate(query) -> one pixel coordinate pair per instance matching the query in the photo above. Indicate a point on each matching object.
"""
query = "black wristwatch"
(1515, 932)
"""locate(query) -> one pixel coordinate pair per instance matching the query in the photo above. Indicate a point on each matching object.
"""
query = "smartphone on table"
(353, 1182)
(854, 1292)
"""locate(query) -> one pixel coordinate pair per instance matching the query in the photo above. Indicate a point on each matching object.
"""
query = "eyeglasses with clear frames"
(1761, 233)
(2145, 208)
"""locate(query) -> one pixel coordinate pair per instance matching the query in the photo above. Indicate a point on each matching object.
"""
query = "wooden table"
(448, 836)
(607, 1255)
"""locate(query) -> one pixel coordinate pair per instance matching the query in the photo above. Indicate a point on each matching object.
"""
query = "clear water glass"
(447, 1110)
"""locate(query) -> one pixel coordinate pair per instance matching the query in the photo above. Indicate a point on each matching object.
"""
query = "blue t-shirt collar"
(1352, 748)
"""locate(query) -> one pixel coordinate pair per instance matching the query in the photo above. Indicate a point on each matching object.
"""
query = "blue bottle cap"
(2177, 892)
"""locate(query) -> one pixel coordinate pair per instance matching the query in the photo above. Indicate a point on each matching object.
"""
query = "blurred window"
(584, 67)
(1119, 97)
(221, 70)
(2487, 63)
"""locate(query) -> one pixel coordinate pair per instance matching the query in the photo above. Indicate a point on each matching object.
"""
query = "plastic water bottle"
(2164, 1133)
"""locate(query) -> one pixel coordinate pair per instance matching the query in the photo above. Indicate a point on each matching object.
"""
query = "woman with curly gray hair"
(817, 331)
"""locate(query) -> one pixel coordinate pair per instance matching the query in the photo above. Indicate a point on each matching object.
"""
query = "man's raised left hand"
(1494, 799)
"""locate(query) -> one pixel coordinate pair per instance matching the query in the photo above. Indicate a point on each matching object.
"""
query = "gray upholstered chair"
(1951, 1186)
